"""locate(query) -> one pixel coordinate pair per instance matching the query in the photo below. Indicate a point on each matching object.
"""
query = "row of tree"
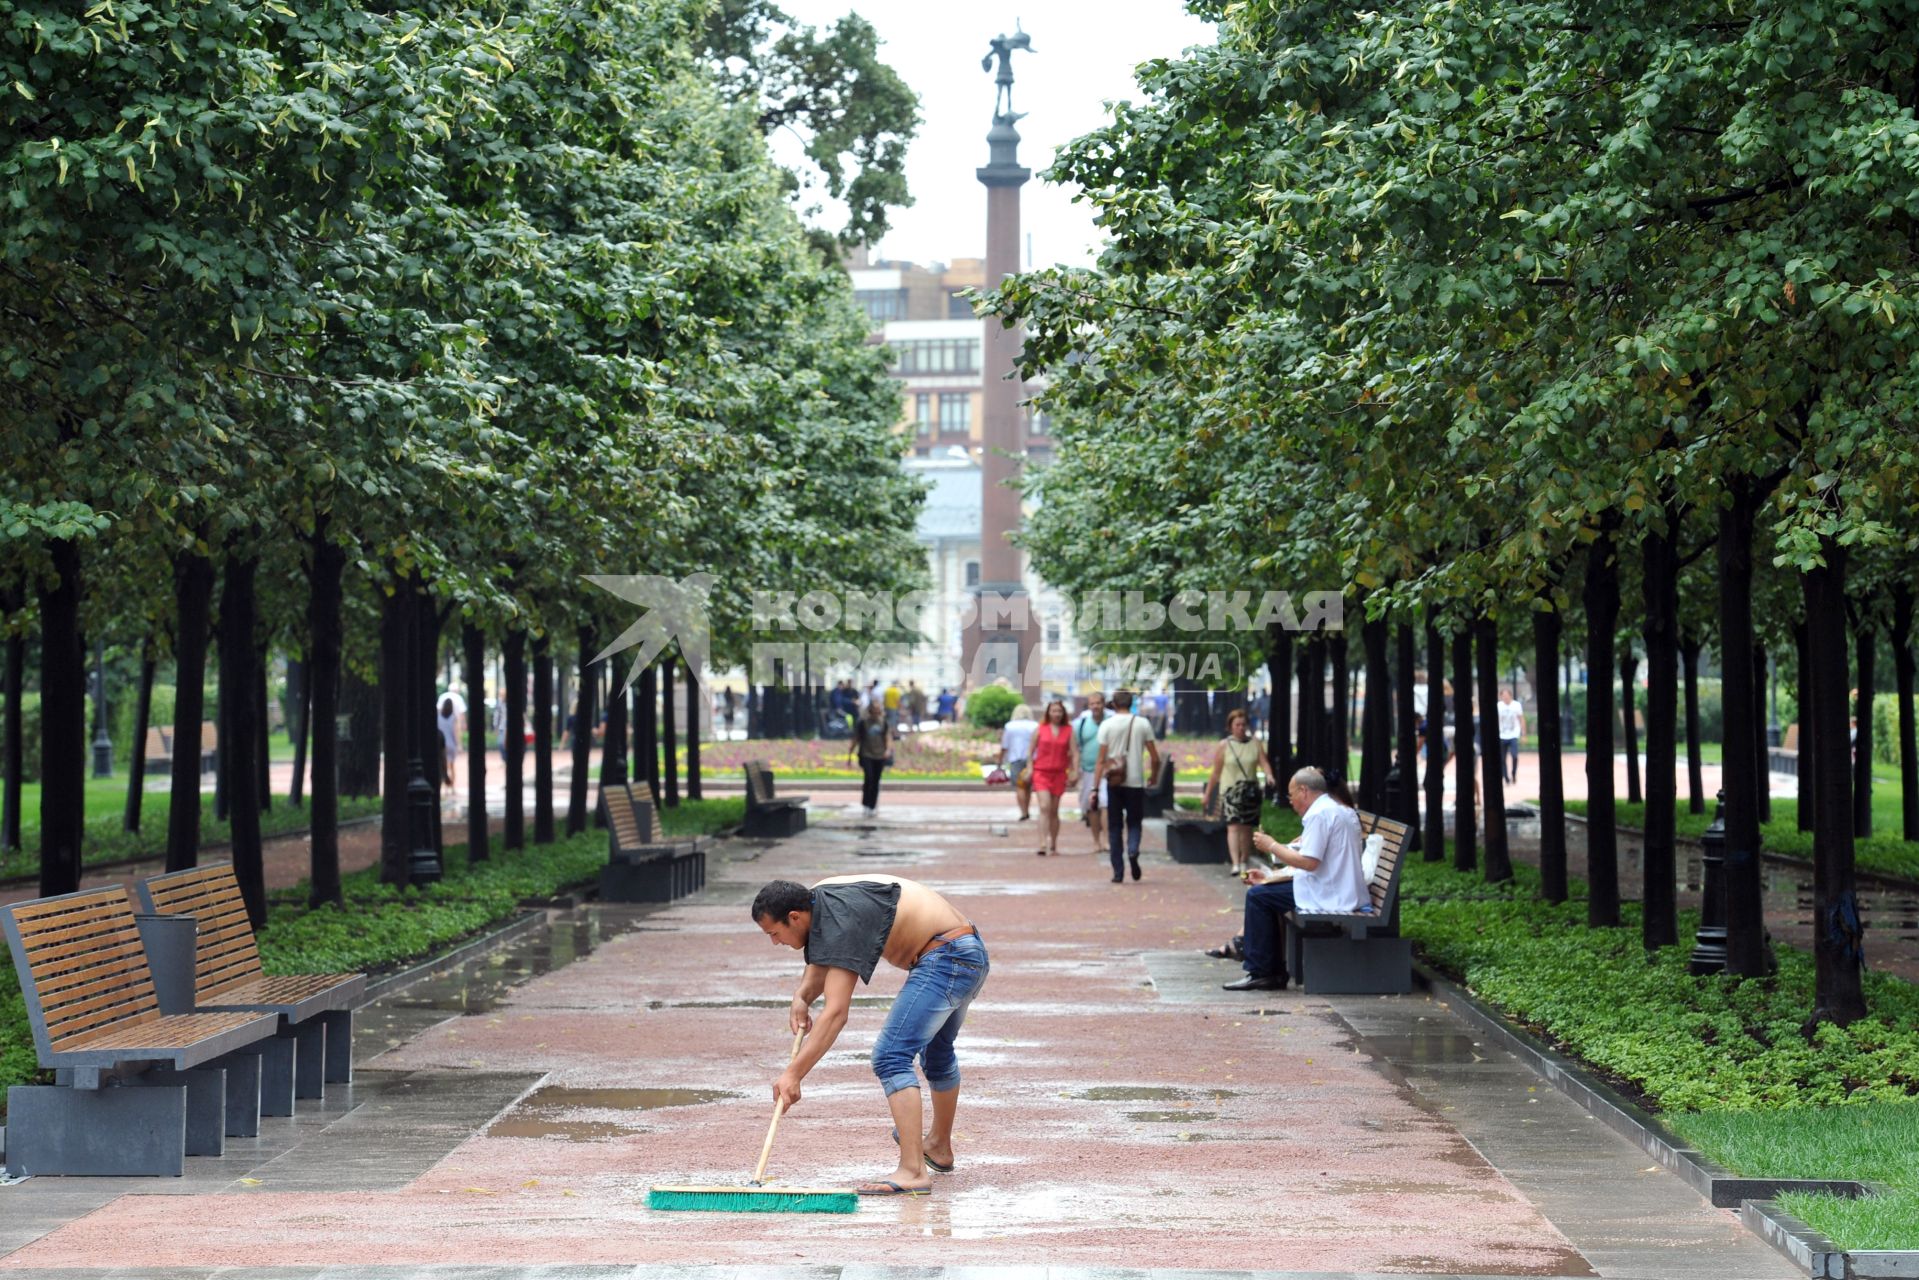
(329, 329)
(1515, 316)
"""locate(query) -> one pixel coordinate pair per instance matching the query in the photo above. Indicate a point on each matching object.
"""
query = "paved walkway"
(1120, 1110)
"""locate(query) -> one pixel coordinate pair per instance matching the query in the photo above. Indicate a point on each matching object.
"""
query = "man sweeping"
(846, 925)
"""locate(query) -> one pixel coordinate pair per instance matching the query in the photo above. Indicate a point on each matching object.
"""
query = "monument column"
(1004, 639)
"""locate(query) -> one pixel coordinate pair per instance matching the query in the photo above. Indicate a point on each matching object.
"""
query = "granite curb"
(1752, 1197)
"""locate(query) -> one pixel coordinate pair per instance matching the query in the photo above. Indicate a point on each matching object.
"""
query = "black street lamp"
(1709, 946)
(102, 741)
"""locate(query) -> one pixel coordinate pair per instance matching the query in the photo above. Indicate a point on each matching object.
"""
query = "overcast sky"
(1084, 52)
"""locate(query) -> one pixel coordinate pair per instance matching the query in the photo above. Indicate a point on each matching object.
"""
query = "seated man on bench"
(1326, 875)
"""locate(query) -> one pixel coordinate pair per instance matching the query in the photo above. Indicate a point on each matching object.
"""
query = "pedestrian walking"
(1126, 742)
(1055, 766)
(1512, 727)
(873, 744)
(1016, 755)
(1092, 788)
(1237, 765)
(449, 736)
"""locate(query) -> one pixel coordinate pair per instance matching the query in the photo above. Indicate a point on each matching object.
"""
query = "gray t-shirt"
(850, 924)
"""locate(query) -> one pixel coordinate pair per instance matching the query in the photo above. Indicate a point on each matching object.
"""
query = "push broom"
(755, 1198)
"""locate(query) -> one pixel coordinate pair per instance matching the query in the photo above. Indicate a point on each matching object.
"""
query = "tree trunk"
(63, 723)
(397, 665)
(1406, 743)
(696, 701)
(1802, 691)
(1837, 951)
(1761, 760)
(239, 741)
(1902, 669)
(1279, 717)
(321, 684)
(514, 747)
(137, 760)
(13, 732)
(613, 770)
(426, 702)
(669, 738)
(542, 740)
(300, 686)
(576, 812)
(1866, 646)
(1465, 808)
(1435, 739)
(1689, 646)
(1499, 863)
(1629, 721)
(193, 602)
(262, 766)
(1376, 724)
(1552, 781)
(1602, 615)
(473, 660)
(646, 729)
(1308, 711)
(359, 764)
(1339, 745)
(1659, 558)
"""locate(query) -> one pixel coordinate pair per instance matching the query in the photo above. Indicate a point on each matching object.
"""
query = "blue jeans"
(1125, 816)
(1509, 749)
(1264, 947)
(927, 1015)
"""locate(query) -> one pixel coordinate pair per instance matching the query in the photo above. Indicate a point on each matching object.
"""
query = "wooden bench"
(1196, 835)
(642, 864)
(770, 817)
(314, 1030)
(159, 753)
(137, 1089)
(1359, 953)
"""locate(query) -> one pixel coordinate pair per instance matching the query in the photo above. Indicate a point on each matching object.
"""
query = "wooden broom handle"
(779, 1109)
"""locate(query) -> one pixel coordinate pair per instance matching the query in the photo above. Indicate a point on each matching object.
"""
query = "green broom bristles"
(753, 1199)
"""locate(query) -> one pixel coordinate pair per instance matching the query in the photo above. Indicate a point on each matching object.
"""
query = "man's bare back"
(922, 915)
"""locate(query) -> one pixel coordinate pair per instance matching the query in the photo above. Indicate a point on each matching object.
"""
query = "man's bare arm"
(826, 1029)
(812, 982)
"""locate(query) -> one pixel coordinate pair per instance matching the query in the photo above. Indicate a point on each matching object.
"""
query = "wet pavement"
(1119, 1111)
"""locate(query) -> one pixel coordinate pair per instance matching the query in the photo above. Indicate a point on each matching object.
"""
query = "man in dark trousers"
(846, 925)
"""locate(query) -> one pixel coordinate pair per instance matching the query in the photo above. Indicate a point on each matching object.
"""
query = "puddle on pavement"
(1151, 1093)
(1171, 1117)
(479, 983)
(1449, 1047)
(582, 1115)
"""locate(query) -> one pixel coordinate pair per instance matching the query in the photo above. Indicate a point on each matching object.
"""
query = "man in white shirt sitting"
(1326, 876)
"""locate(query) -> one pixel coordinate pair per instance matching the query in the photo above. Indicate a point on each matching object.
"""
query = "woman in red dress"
(1055, 767)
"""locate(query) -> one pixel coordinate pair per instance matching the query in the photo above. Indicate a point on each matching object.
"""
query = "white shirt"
(1332, 836)
(1130, 734)
(1017, 738)
(1508, 718)
(1419, 700)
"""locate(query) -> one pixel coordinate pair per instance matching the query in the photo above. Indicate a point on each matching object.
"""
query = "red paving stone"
(1278, 1144)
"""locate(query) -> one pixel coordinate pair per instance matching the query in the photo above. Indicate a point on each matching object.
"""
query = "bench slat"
(174, 1031)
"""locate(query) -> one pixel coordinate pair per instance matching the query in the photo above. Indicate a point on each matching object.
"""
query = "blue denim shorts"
(927, 1015)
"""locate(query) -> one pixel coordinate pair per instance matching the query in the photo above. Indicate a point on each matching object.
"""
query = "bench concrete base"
(308, 1040)
(1346, 966)
(1196, 839)
(206, 1105)
(242, 1069)
(124, 1131)
(276, 1075)
(666, 878)
(339, 1045)
(774, 821)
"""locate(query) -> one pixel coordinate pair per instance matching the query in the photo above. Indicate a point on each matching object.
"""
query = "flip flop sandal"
(931, 1163)
(891, 1189)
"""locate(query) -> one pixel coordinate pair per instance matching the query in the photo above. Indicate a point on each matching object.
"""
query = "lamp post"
(102, 741)
(1709, 946)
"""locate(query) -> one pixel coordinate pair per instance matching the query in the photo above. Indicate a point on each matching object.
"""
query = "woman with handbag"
(873, 741)
(1015, 752)
(1055, 766)
(1239, 760)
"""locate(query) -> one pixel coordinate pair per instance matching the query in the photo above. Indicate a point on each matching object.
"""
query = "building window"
(958, 308)
(881, 305)
(1052, 633)
(937, 355)
(972, 573)
(923, 413)
(956, 412)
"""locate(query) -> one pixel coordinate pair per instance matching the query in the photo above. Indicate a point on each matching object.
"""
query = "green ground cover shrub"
(104, 841)
(1724, 1061)
(991, 707)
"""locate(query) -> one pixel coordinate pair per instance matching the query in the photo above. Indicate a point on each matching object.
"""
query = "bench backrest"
(1383, 888)
(81, 965)
(226, 955)
(759, 782)
(621, 819)
(209, 735)
(1791, 740)
(157, 744)
(646, 816)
